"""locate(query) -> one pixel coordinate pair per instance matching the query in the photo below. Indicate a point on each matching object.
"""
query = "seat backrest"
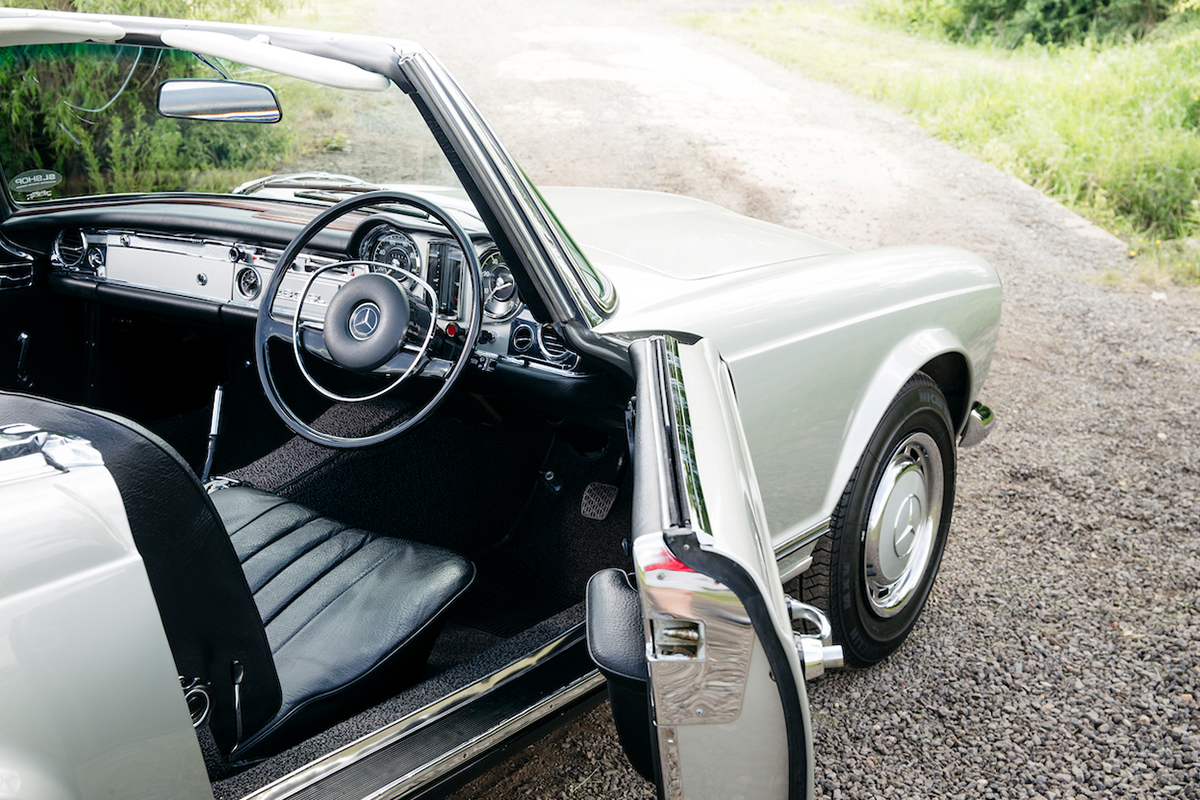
(205, 604)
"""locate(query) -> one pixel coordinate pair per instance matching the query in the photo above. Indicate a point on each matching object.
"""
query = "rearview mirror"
(225, 101)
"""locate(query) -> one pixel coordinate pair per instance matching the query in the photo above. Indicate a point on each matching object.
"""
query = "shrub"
(93, 118)
(224, 10)
(1009, 23)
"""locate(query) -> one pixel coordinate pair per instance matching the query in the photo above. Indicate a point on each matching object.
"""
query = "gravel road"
(1060, 653)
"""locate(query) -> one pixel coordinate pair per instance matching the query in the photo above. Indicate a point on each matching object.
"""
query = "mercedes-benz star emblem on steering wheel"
(364, 321)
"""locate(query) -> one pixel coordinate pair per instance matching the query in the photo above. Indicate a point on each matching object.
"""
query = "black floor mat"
(448, 482)
(555, 539)
(507, 597)
(457, 643)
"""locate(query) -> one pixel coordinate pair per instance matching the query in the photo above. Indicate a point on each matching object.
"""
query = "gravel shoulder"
(1060, 653)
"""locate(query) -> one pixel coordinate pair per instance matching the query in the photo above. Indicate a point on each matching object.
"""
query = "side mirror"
(223, 101)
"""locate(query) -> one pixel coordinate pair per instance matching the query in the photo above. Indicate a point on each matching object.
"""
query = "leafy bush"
(89, 112)
(1111, 131)
(91, 116)
(224, 10)
(1009, 23)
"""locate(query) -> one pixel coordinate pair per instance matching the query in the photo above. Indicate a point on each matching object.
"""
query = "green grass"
(1109, 131)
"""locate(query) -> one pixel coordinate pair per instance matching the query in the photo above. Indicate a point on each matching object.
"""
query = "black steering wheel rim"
(264, 324)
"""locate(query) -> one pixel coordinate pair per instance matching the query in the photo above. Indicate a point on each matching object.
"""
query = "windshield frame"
(570, 288)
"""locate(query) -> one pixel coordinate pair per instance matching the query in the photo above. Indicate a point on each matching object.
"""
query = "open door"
(705, 674)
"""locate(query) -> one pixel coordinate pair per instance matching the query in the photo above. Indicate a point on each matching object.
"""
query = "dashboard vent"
(552, 344)
(69, 248)
(522, 338)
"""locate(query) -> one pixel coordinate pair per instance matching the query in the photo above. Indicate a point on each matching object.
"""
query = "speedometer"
(392, 249)
(500, 298)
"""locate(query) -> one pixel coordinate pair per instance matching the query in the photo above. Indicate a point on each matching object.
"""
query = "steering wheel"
(373, 324)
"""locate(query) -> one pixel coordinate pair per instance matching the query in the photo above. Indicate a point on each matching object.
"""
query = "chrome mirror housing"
(223, 101)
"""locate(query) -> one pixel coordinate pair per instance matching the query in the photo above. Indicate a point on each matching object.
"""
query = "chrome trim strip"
(448, 761)
(788, 554)
(792, 566)
(527, 362)
(802, 539)
(687, 472)
(347, 756)
(980, 423)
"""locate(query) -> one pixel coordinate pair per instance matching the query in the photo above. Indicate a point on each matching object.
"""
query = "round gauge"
(500, 298)
(392, 249)
(248, 283)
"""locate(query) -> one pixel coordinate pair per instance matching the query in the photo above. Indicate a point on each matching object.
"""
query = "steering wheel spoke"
(276, 329)
(367, 324)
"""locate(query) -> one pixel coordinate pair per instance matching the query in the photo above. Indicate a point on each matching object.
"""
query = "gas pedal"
(598, 499)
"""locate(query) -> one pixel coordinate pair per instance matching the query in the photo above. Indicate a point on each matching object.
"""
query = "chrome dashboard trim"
(527, 362)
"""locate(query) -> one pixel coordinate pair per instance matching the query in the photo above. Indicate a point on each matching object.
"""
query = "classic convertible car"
(318, 485)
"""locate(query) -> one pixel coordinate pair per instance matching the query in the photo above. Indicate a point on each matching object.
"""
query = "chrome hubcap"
(902, 524)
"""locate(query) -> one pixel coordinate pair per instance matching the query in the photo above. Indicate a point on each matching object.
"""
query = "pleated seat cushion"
(350, 615)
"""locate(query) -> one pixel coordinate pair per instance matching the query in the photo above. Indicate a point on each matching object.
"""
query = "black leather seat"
(313, 620)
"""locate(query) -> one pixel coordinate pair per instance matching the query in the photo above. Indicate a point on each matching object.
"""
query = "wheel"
(872, 573)
(369, 324)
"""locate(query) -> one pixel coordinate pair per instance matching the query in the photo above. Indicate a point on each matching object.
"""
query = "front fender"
(906, 359)
(817, 348)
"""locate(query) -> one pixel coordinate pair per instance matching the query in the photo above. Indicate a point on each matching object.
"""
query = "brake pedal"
(598, 500)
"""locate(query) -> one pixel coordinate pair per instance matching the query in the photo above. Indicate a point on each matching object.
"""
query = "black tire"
(871, 593)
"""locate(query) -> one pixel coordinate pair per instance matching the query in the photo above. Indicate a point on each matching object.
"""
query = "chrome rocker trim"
(788, 554)
(386, 773)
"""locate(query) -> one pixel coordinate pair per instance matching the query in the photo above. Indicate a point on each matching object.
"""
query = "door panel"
(714, 620)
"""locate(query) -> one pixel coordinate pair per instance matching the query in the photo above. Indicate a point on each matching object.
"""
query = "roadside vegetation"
(95, 121)
(1095, 103)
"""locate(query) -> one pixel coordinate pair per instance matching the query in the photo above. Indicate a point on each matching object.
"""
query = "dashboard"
(229, 275)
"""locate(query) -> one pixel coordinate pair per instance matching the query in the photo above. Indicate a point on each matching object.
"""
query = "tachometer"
(500, 297)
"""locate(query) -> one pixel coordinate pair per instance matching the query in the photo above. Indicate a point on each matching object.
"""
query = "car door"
(704, 673)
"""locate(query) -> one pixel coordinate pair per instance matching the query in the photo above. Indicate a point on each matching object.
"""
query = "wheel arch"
(952, 373)
(935, 351)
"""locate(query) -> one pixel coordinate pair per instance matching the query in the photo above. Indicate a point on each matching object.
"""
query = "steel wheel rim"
(902, 524)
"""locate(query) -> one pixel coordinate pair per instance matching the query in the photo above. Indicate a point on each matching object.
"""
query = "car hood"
(677, 237)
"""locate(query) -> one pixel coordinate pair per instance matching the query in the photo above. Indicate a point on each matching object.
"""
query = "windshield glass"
(83, 120)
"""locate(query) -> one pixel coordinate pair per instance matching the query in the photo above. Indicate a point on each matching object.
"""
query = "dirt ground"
(1059, 654)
